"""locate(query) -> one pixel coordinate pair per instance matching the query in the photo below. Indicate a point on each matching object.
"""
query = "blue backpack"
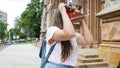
(44, 59)
(42, 50)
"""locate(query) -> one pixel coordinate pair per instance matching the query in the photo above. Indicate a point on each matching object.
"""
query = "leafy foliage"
(3, 29)
(30, 20)
(14, 32)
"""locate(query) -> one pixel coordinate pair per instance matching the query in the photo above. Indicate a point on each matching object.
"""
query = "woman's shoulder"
(52, 28)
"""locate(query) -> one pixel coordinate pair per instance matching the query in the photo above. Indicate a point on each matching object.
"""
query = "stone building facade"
(89, 9)
(109, 17)
(3, 16)
(103, 20)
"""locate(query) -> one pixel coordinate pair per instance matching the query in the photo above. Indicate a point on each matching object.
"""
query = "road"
(19, 56)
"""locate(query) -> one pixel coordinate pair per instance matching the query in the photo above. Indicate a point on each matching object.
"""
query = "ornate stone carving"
(111, 31)
(74, 2)
(107, 3)
(110, 16)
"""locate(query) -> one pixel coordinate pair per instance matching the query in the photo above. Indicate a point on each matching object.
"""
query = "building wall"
(110, 53)
(110, 24)
(101, 31)
(109, 49)
(3, 16)
(89, 9)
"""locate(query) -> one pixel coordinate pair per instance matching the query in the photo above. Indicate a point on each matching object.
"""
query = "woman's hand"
(62, 8)
(76, 10)
(68, 31)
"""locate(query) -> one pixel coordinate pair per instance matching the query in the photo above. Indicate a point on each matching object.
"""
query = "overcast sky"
(13, 8)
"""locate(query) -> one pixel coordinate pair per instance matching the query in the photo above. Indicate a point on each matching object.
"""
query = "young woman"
(64, 54)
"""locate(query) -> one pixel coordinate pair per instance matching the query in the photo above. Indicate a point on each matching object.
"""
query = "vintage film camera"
(75, 16)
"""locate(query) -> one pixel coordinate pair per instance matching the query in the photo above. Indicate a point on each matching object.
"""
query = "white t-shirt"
(56, 54)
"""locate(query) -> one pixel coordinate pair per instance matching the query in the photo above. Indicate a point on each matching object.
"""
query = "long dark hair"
(65, 45)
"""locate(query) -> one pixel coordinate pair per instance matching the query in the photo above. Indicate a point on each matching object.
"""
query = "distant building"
(3, 16)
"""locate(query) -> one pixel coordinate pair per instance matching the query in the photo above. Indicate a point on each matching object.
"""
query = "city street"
(19, 56)
(24, 25)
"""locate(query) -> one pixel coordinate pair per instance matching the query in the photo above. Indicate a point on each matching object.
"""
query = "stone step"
(90, 65)
(88, 55)
(88, 51)
(95, 67)
(89, 60)
(100, 67)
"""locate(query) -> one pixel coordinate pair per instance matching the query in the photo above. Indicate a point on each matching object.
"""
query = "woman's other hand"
(61, 7)
(87, 37)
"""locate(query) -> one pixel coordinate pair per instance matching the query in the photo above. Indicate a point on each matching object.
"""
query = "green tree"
(3, 30)
(17, 23)
(31, 19)
(14, 32)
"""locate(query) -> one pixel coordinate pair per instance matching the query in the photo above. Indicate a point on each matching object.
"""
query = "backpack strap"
(50, 51)
(45, 59)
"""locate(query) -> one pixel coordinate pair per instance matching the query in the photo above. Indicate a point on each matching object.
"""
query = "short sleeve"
(77, 35)
(50, 32)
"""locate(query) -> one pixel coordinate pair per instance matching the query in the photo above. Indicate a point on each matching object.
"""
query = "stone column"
(48, 20)
(43, 24)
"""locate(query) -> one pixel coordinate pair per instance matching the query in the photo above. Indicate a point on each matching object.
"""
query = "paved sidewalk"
(19, 56)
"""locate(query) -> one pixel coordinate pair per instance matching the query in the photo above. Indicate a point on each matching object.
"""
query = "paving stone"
(20, 56)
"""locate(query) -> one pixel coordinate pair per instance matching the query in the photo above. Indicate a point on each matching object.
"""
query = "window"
(0, 16)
